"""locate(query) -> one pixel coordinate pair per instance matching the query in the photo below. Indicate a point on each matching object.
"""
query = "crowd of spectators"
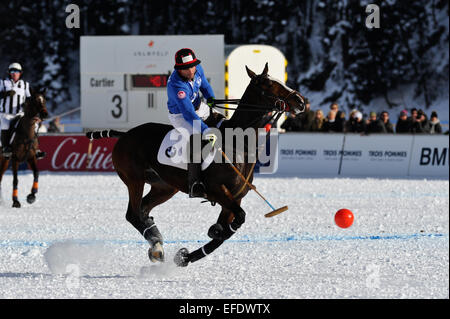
(416, 122)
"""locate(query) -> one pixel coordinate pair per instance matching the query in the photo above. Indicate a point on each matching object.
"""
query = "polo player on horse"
(186, 106)
(13, 93)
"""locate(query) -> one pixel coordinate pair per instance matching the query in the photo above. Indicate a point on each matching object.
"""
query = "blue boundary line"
(293, 238)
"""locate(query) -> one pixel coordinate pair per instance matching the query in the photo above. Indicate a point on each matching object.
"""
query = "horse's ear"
(266, 69)
(250, 73)
(43, 91)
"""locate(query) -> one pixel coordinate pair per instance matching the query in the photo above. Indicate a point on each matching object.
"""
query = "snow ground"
(74, 242)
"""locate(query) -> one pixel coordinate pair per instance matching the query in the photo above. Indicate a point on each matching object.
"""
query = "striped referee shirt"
(13, 104)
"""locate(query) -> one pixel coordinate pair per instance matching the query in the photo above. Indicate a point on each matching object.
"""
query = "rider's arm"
(2, 90)
(27, 89)
(205, 87)
(181, 98)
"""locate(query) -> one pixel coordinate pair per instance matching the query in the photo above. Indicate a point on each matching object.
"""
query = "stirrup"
(209, 201)
(7, 152)
(40, 154)
(197, 189)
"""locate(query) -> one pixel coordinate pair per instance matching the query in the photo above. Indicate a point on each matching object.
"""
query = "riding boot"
(6, 149)
(196, 186)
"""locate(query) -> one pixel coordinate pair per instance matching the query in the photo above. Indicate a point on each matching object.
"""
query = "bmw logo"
(171, 151)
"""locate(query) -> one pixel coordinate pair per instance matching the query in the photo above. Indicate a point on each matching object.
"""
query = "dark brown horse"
(25, 144)
(135, 160)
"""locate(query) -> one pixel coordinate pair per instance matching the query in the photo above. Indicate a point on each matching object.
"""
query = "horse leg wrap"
(151, 232)
(34, 189)
(205, 250)
(239, 219)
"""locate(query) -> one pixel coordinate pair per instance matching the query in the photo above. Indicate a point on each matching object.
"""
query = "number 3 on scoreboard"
(117, 107)
(117, 98)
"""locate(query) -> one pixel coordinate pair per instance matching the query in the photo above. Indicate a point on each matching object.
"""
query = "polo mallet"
(274, 211)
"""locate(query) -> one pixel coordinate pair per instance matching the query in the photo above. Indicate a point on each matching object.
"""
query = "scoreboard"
(124, 78)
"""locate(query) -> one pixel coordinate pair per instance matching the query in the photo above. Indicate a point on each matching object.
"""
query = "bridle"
(280, 105)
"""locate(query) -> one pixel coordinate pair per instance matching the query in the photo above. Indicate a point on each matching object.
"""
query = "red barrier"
(69, 153)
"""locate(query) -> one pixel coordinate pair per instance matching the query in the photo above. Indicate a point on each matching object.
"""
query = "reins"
(277, 114)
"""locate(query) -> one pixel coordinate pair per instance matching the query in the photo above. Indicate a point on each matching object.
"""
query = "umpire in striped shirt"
(13, 92)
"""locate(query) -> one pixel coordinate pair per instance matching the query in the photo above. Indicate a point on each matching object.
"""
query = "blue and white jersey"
(184, 96)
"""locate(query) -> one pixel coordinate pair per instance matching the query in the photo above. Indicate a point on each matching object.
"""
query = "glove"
(210, 102)
(211, 138)
(10, 93)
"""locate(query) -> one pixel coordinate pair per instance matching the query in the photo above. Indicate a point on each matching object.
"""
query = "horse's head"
(36, 105)
(276, 93)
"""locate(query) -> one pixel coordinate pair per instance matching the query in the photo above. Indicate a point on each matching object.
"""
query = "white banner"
(362, 155)
(430, 156)
(376, 155)
(309, 153)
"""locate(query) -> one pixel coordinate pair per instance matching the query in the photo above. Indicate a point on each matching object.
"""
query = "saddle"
(174, 146)
(9, 133)
(13, 125)
(174, 151)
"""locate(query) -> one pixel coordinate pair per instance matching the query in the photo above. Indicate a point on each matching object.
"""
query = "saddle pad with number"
(173, 151)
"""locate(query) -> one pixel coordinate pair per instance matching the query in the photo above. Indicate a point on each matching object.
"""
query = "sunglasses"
(14, 71)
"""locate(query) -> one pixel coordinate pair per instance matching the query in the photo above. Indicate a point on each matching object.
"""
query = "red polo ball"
(344, 218)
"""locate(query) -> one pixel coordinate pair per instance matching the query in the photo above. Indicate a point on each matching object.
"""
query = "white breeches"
(181, 125)
(5, 121)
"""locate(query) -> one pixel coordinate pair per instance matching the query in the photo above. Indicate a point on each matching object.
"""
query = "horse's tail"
(104, 134)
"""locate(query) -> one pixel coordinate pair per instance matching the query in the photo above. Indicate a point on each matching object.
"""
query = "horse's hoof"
(181, 258)
(31, 199)
(16, 204)
(156, 253)
(215, 231)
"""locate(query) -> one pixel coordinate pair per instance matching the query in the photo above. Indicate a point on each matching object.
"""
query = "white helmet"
(15, 66)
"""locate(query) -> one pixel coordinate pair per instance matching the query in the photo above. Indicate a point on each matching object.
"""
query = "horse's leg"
(230, 220)
(144, 225)
(15, 168)
(135, 190)
(32, 162)
(159, 193)
(183, 257)
(3, 167)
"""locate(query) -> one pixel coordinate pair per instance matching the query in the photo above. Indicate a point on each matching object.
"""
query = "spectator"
(413, 116)
(340, 120)
(420, 124)
(358, 125)
(292, 123)
(384, 116)
(306, 118)
(317, 124)
(331, 123)
(374, 125)
(54, 126)
(351, 120)
(403, 123)
(435, 125)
